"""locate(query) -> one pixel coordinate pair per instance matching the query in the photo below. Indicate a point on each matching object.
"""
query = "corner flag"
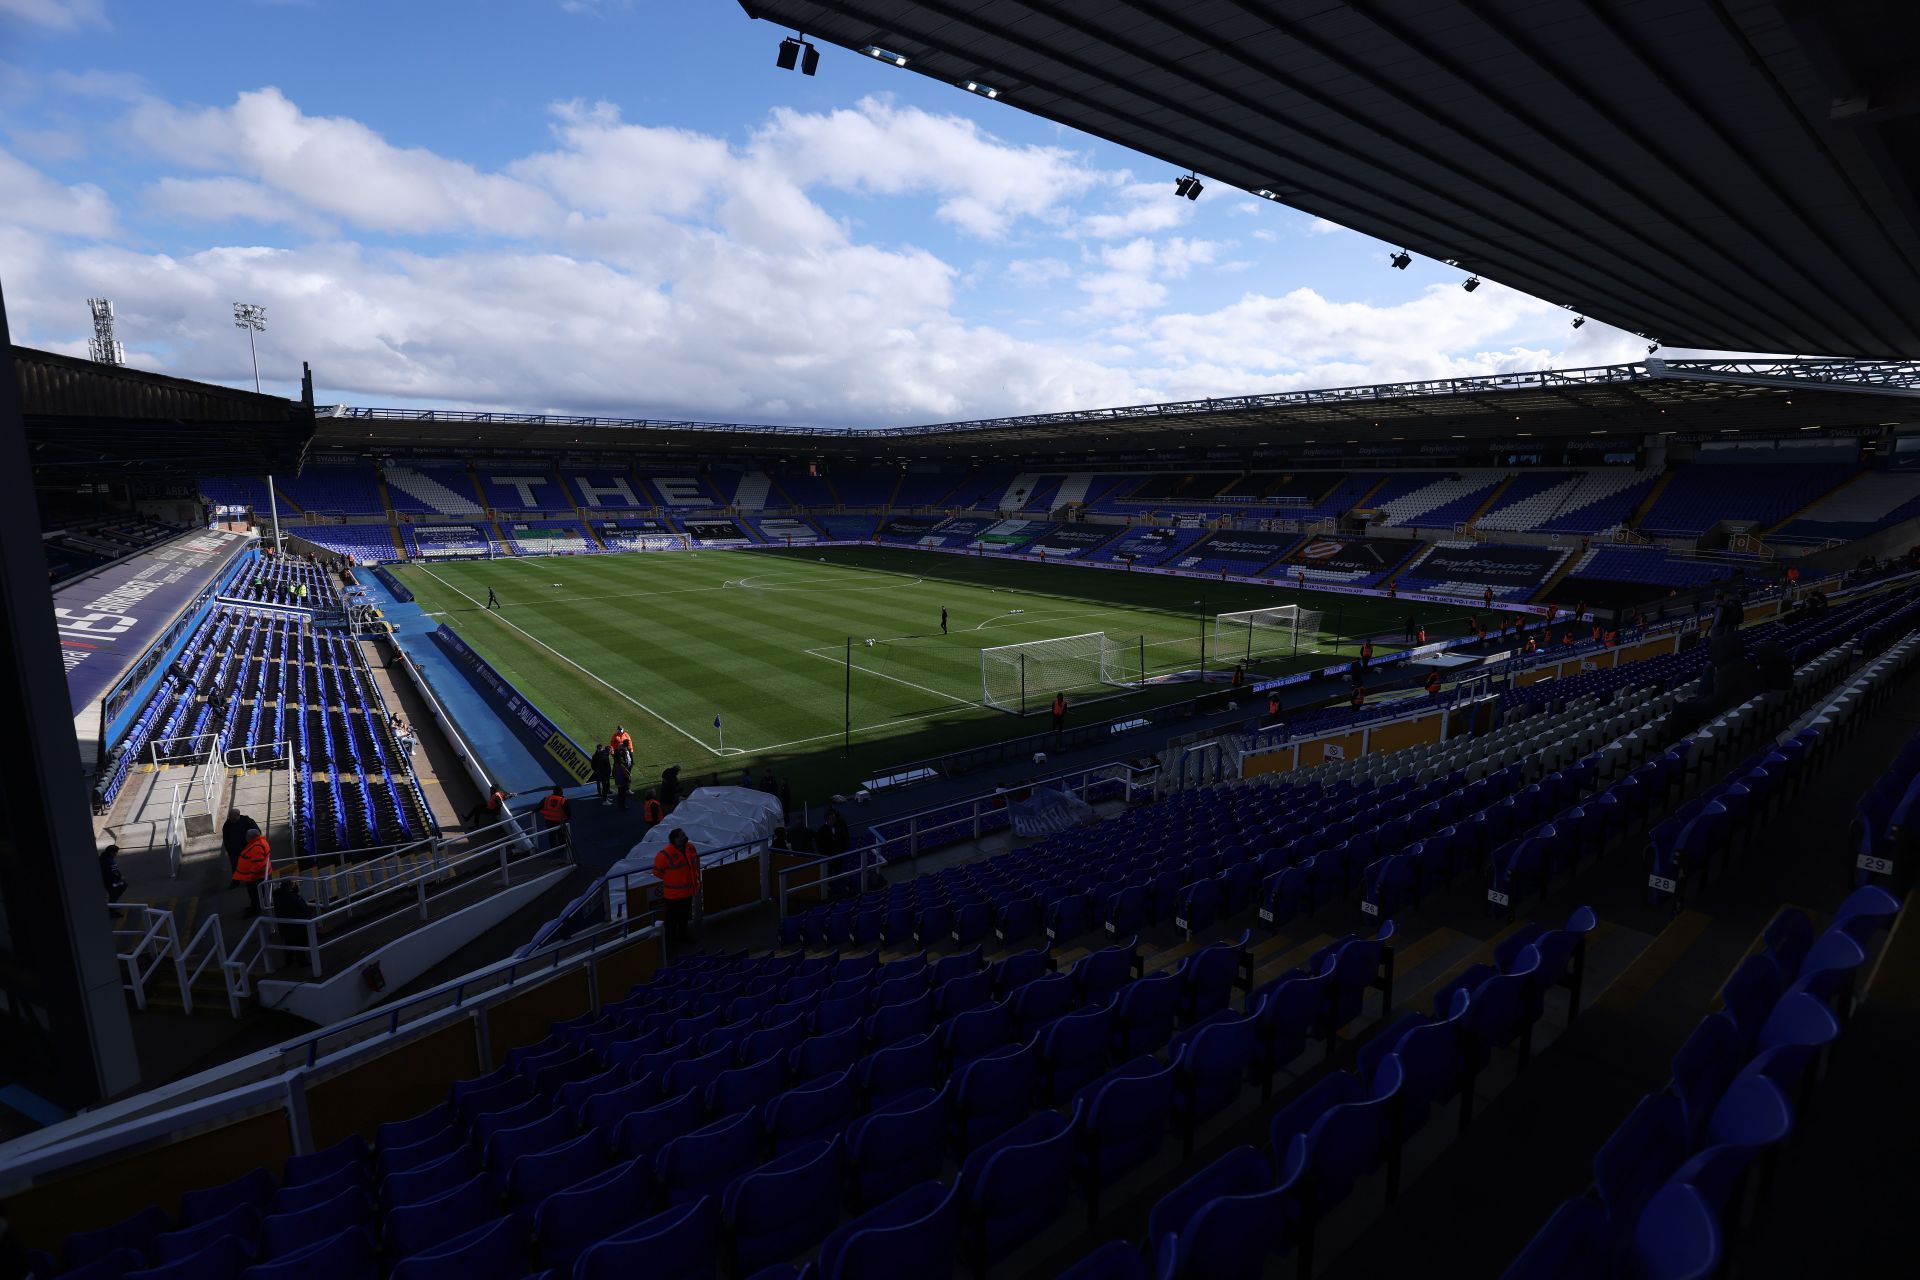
(723, 732)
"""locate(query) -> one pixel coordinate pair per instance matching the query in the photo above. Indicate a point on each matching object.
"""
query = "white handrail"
(212, 934)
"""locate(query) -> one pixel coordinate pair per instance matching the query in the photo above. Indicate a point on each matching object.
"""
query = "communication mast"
(103, 346)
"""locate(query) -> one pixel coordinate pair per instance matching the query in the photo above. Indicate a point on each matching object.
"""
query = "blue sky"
(620, 207)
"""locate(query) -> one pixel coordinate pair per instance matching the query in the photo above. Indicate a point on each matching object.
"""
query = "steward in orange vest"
(678, 867)
(253, 866)
(554, 815)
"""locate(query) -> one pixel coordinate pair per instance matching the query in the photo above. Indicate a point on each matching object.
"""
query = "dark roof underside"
(1730, 175)
(95, 419)
(1629, 400)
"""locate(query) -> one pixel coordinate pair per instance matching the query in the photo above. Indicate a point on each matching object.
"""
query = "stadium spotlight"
(1188, 186)
(1652, 347)
(885, 55)
(798, 49)
(1400, 260)
(1470, 283)
(984, 90)
(1578, 321)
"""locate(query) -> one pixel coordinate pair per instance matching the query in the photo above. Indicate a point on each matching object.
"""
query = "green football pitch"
(667, 643)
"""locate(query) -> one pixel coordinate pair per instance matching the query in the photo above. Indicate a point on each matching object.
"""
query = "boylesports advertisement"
(520, 712)
(1257, 548)
(1496, 565)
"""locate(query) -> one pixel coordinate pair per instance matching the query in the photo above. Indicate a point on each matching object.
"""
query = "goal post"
(1014, 675)
(1279, 631)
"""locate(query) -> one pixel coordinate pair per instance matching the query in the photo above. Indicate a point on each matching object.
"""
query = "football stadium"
(759, 826)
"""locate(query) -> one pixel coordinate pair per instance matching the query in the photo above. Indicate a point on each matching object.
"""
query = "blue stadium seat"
(1703, 1067)
(1099, 975)
(738, 1088)
(505, 1146)
(1074, 1049)
(1241, 1170)
(1020, 968)
(602, 1112)
(348, 1255)
(1146, 1011)
(897, 1144)
(1319, 1167)
(283, 1233)
(812, 1110)
(679, 1244)
(533, 1178)
(1639, 1157)
(899, 1068)
(253, 1188)
(411, 1186)
(1040, 1001)
(825, 1053)
(1121, 1120)
(1751, 1116)
(495, 1250)
(221, 1258)
(242, 1221)
(701, 1163)
(784, 1206)
(1015, 1185)
(991, 1094)
(1210, 1063)
(418, 1227)
(914, 1232)
(893, 1023)
(976, 1032)
(568, 1221)
(1677, 1237)
(963, 992)
(645, 1131)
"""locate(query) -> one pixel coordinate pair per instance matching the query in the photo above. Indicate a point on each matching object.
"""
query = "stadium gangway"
(503, 846)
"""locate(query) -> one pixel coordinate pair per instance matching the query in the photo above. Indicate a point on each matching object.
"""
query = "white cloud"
(1323, 227)
(876, 148)
(628, 268)
(54, 15)
(341, 168)
(28, 198)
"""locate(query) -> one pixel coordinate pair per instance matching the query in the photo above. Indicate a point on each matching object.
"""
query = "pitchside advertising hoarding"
(907, 527)
(1257, 548)
(528, 719)
(1351, 555)
(1068, 541)
(1495, 565)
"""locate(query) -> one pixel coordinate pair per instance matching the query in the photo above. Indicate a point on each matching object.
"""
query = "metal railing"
(153, 942)
(827, 876)
(270, 938)
(212, 940)
(939, 826)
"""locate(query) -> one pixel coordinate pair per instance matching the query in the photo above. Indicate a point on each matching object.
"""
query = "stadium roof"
(101, 419)
(1629, 399)
(1727, 175)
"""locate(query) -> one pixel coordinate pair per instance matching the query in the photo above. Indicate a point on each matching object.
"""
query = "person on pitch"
(943, 620)
(493, 601)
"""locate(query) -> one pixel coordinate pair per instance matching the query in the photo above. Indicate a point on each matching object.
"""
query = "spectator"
(623, 782)
(602, 770)
(746, 779)
(489, 810)
(256, 863)
(555, 813)
(111, 878)
(678, 867)
(233, 835)
(670, 786)
(767, 782)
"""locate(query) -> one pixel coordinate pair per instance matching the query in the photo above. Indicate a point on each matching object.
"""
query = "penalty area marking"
(576, 666)
(938, 693)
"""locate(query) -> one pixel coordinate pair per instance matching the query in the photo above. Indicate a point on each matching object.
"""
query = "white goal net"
(1280, 631)
(1014, 677)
